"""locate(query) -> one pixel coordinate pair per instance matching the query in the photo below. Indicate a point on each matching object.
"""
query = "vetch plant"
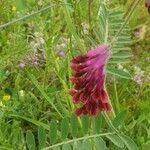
(47, 103)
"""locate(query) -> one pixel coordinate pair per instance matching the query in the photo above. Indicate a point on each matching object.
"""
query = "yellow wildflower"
(14, 8)
(6, 98)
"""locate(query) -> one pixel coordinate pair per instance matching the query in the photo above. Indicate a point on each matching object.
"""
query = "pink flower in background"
(22, 65)
(138, 75)
(89, 79)
(147, 4)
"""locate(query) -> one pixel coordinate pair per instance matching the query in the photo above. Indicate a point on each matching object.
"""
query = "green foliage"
(53, 132)
(74, 125)
(119, 119)
(85, 141)
(100, 143)
(85, 124)
(39, 113)
(129, 142)
(98, 124)
(116, 140)
(64, 128)
(41, 137)
(30, 140)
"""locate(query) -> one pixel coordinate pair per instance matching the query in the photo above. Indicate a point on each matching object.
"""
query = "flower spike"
(89, 81)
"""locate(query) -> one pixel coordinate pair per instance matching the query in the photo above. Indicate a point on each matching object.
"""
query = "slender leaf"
(41, 137)
(64, 128)
(118, 72)
(53, 132)
(30, 140)
(76, 145)
(35, 122)
(100, 143)
(74, 125)
(116, 140)
(85, 124)
(66, 147)
(119, 119)
(130, 144)
(99, 120)
(86, 145)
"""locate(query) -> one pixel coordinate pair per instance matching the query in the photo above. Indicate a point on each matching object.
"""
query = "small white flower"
(138, 75)
(21, 93)
(85, 27)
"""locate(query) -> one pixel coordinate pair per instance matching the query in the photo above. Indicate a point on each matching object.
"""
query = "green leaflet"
(121, 55)
(98, 123)
(76, 145)
(118, 72)
(85, 123)
(86, 145)
(116, 140)
(53, 132)
(74, 125)
(18, 138)
(66, 147)
(64, 128)
(100, 143)
(130, 144)
(41, 137)
(30, 140)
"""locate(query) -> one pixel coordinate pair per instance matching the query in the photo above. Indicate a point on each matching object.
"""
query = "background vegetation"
(36, 111)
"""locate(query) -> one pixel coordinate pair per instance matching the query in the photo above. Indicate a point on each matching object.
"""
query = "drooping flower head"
(89, 81)
(147, 4)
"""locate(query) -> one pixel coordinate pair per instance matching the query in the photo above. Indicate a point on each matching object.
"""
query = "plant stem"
(127, 17)
(106, 32)
(28, 16)
(89, 11)
(116, 97)
(78, 139)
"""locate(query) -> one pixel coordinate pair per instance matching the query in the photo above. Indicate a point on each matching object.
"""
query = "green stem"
(28, 16)
(78, 139)
(127, 17)
(89, 11)
(106, 32)
(116, 97)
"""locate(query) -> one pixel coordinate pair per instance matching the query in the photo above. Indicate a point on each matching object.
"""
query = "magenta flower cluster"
(147, 4)
(89, 81)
